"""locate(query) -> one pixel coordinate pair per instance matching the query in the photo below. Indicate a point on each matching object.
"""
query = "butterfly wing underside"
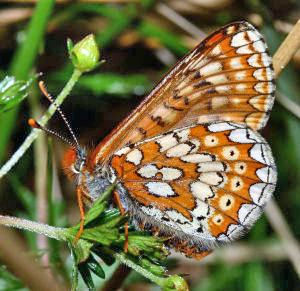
(201, 186)
(227, 77)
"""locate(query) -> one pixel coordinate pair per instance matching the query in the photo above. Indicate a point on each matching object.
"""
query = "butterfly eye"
(77, 166)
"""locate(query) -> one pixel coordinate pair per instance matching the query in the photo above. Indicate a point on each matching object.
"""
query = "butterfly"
(188, 162)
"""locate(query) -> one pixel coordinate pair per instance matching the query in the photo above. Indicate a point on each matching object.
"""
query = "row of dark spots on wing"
(205, 83)
(142, 131)
(171, 107)
(176, 97)
(158, 120)
(271, 94)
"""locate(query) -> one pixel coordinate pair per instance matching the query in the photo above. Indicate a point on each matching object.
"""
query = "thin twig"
(279, 224)
(239, 253)
(287, 49)
(117, 279)
(281, 58)
(40, 181)
(180, 21)
(288, 104)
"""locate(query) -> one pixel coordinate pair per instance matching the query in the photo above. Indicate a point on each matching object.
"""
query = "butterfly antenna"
(33, 123)
(48, 96)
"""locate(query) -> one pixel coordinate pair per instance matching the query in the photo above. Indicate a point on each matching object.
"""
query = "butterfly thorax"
(92, 179)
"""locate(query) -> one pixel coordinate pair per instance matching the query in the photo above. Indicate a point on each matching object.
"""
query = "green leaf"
(108, 215)
(147, 244)
(153, 268)
(102, 235)
(94, 266)
(114, 222)
(115, 84)
(12, 92)
(96, 210)
(86, 276)
(107, 259)
(81, 251)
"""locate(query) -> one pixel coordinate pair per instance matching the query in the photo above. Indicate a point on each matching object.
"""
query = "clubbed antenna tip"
(33, 123)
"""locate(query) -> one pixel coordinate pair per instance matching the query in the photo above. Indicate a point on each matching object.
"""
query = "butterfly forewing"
(228, 77)
(205, 184)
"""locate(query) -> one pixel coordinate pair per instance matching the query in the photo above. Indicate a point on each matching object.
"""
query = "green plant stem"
(122, 258)
(23, 62)
(50, 231)
(36, 132)
(74, 277)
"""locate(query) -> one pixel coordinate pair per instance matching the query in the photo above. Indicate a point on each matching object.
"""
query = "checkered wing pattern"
(202, 185)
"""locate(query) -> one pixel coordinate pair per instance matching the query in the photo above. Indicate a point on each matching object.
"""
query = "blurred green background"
(140, 41)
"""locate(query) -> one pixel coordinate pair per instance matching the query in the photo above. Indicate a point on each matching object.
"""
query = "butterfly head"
(78, 165)
(74, 162)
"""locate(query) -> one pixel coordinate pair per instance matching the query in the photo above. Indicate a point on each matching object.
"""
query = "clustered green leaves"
(103, 236)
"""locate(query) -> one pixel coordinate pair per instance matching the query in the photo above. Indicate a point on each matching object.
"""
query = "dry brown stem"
(281, 227)
(13, 255)
(287, 49)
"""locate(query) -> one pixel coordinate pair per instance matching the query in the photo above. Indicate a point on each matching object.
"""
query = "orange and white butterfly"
(188, 161)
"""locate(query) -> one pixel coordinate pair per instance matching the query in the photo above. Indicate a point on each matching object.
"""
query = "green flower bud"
(175, 282)
(85, 54)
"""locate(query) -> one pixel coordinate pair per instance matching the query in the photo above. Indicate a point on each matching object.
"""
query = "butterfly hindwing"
(205, 184)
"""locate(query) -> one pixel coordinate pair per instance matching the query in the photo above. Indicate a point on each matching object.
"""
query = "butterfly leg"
(82, 214)
(117, 197)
